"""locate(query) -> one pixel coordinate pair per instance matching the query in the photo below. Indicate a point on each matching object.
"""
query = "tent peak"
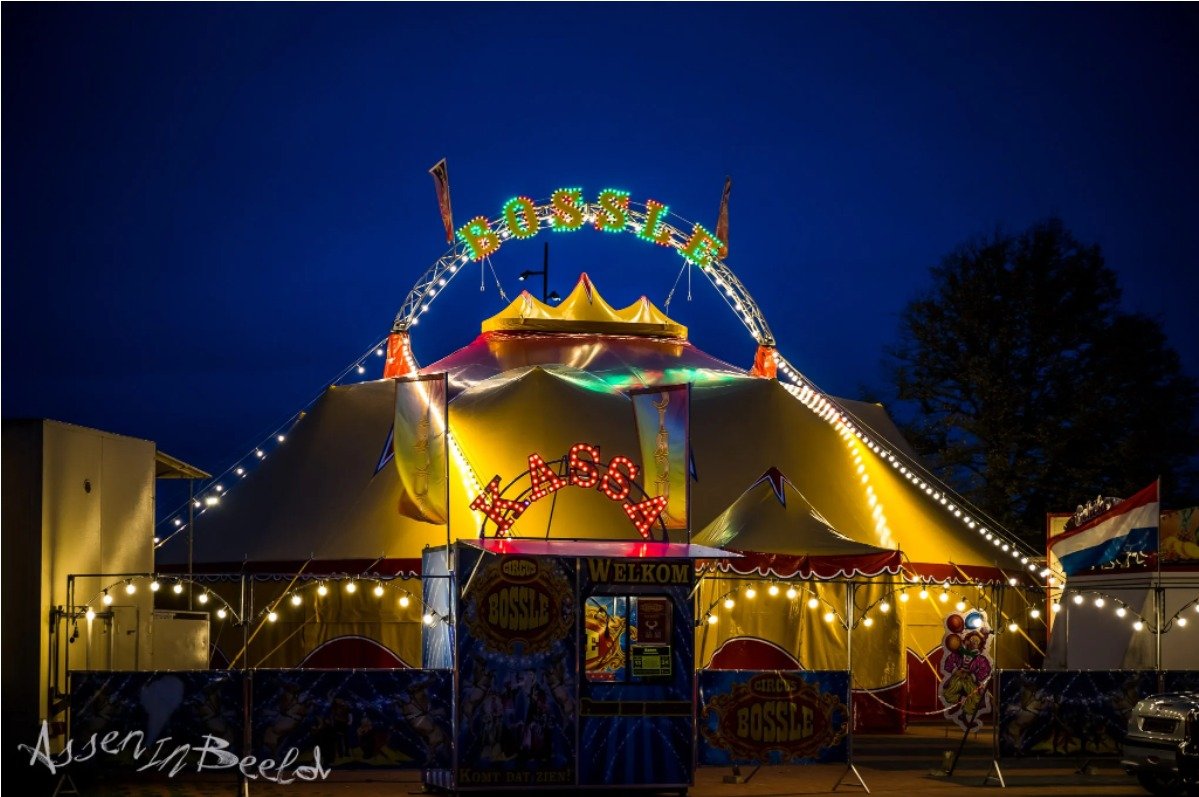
(586, 311)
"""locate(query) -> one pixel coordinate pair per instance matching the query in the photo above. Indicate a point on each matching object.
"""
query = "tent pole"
(850, 588)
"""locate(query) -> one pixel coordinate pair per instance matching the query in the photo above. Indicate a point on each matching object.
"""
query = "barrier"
(1075, 712)
(773, 716)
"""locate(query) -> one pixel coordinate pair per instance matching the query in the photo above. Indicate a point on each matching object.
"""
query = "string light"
(378, 590)
(813, 602)
(296, 600)
(884, 607)
(1121, 612)
(404, 601)
(177, 588)
(903, 597)
(351, 587)
(829, 617)
(868, 621)
(923, 593)
(130, 588)
(729, 603)
(960, 606)
(1013, 627)
(751, 593)
(1138, 626)
(943, 597)
(106, 599)
(712, 619)
(90, 614)
(1182, 622)
(428, 618)
(1035, 613)
(221, 613)
(1078, 599)
(792, 593)
(774, 590)
(322, 590)
(1057, 607)
(1099, 602)
(155, 586)
(272, 616)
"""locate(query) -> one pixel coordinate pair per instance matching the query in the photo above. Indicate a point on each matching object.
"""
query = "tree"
(1024, 386)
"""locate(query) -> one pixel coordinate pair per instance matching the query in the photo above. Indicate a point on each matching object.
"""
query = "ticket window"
(627, 638)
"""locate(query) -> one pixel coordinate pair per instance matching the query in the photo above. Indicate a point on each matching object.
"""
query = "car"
(1160, 747)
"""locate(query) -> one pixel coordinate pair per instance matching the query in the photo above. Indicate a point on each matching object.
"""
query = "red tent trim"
(779, 565)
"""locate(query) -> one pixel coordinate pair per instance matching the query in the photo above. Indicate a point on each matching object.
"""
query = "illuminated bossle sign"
(583, 469)
(567, 212)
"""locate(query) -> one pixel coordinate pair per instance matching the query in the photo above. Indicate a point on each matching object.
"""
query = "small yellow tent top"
(585, 311)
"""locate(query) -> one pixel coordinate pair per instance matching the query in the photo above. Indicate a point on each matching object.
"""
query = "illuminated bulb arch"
(667, 229)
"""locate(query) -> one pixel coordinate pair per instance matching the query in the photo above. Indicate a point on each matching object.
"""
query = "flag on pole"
(421, 453)
(1128, 527)
(662, 415)
(722, 220)
(441, 181)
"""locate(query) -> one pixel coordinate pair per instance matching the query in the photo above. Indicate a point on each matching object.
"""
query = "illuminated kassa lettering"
(584, 470)
(567, 211)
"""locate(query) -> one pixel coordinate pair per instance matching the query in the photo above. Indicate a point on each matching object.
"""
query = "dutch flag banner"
(1130, 526)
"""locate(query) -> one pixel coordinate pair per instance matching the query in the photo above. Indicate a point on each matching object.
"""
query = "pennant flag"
(441, 181)
(421, 454)
(1128, 527)
(722, 220)
(662, 415)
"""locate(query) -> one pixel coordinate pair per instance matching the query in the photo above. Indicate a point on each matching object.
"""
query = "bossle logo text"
(211, 754)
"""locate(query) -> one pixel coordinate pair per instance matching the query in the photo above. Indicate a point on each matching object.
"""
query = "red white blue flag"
(1128, 527)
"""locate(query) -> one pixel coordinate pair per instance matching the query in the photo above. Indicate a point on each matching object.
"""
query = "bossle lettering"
(518, 609)
(165, 755)
(774, 721)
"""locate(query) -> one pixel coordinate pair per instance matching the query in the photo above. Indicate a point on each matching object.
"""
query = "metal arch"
(442, 272)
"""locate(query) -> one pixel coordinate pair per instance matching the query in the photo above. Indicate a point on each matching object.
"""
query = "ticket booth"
(574, 661)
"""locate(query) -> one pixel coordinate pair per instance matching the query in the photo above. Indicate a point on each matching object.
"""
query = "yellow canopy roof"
(584, 310)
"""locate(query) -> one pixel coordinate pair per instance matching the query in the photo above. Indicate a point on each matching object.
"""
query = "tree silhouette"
(1024, 386)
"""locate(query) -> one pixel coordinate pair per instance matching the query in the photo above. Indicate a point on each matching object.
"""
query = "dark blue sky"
(209, 211)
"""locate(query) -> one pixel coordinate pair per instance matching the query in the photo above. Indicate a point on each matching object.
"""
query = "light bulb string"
(249, 456)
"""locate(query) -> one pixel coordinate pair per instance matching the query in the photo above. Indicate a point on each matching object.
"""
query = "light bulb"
(404, 601)
(729, 603)
(272, 617)
(1011, 582)
(712, 619)
(107, 599)
(351, 586)
(813, 602)
(829, 617)
(296, 600)
(884, 607)
(869, 621)
(1035, 613)
(791, 593)
(90, 614)
(155, 586)
(130, 588)
(903, 597)
(960, 606)
(1099, 603)
(1013, 627)
(1078, 599)
(923, 593)
(1057, 607)
(1182, 622)
(428, 618)
(774, 590)
(1138, 625)
(943, 597)
(178, 588)
(1121, 611)
(378, 590)
(280, 438)
(322, 590)
(202, 597)
(220, 613)
(751, 593)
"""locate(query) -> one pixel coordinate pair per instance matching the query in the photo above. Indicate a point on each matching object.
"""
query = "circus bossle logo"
(520, 601)
(774, 712)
